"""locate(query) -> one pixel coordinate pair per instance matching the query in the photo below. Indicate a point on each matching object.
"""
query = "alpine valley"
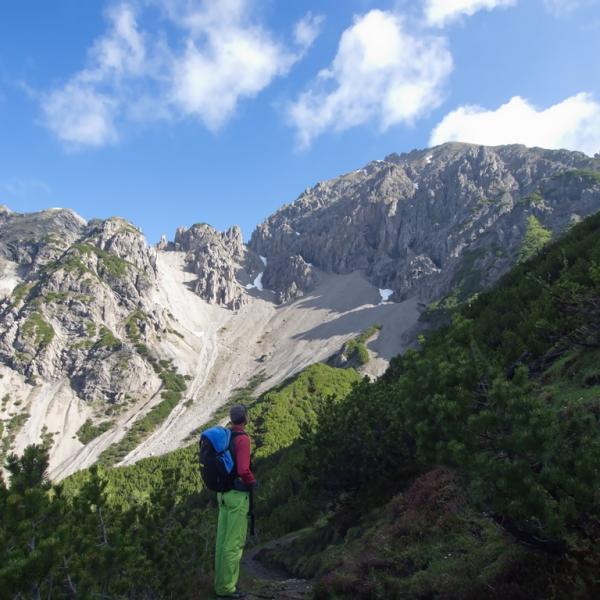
(418, 341)
(117, 350)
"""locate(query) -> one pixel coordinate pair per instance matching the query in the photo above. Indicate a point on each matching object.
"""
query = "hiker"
(234, 509)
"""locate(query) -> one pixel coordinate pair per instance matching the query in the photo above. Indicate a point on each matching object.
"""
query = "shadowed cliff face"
(421, 223)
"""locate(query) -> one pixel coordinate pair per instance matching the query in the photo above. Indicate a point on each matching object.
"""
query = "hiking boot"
(236, 594)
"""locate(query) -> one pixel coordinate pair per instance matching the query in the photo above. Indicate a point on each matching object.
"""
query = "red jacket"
(241, 455)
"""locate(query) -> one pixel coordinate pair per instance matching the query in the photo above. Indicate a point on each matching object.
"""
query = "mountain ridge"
(96, 324)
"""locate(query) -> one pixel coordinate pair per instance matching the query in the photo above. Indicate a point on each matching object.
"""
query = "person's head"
(238, 414)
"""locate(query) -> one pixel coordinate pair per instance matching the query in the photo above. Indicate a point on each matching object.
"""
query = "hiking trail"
(269, 583)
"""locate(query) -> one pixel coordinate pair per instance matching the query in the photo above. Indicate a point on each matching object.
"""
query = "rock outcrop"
(220, 261)
(34, 239)
(446, 220)
(84, 290)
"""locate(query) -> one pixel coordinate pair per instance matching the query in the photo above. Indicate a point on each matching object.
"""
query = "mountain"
(113, 351)
(469, 470)
(413, 222)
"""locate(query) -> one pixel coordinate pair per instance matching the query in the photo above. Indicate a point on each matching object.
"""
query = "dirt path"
(267, 583)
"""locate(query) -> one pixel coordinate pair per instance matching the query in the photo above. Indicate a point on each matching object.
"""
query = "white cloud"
(381, 72)
(226, 59)
(84, 110)
(308, 29)
(217, 56)
(440, 12)
(573, 124)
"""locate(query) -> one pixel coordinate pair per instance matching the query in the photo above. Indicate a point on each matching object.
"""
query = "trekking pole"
(251, 513)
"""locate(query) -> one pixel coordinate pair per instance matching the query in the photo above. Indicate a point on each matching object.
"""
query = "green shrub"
(88, 431)
(108, 340)
(36, 326)
(536, 237)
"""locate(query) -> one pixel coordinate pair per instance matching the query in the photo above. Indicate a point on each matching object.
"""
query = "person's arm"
(242, 460)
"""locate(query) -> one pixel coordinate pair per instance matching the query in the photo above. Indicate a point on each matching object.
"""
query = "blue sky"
(169, 112)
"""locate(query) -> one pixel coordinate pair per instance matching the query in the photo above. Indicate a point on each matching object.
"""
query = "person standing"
(234, 508)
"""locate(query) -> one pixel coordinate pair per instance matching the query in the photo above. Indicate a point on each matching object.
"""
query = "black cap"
(237, 414)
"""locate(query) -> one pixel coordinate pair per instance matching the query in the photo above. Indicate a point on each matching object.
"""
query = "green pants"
(231, 537)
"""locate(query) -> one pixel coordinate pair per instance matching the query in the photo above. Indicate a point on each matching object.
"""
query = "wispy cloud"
(84, 111)
(308, 29)
(441, 12)
(573, 124)
(561, 8)
(23, 187)
(221, 56)
(381, 73)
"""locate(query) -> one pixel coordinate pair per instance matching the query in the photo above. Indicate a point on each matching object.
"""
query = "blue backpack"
(217, 466)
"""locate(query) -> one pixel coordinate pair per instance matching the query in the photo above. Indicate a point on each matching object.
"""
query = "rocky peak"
(34, 239)
(218, 259)
(69, 317)
(416, 222)
(123, 240)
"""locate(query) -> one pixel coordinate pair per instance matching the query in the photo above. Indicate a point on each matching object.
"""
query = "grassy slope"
(411, 527)
(427, 533)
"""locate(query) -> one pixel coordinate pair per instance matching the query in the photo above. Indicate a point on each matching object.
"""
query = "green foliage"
(587, 175)
(36, 326)
(59, 545)
(527, 455)
(467, 280)
(132, 325)
(88, 431)
(536, 237)
(12, 426)
(20, 293)
(174, 384)
(356, 349)
(108, 340)
(282, 414)
(109, 264)
(534, 199)
(90, 328)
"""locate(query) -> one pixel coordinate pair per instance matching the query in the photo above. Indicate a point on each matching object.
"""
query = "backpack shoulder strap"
(235, 434)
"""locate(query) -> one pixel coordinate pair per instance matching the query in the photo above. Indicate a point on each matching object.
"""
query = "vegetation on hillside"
(88, 431)
(469, 470)
(536, 237)
(145, 531)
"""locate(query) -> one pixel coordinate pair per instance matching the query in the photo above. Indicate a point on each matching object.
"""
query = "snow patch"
(257, 283)
(297, 233)
(416, 186)
(385, 295)
(264, 260)
(428, 159)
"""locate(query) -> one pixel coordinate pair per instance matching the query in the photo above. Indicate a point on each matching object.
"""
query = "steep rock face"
(446, 220)
(289, 276)
(73, 314)
(32, 240)
(220, 261)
